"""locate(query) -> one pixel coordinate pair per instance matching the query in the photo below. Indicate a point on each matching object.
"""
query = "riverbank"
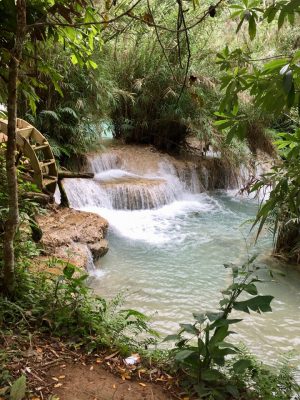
(54, 370)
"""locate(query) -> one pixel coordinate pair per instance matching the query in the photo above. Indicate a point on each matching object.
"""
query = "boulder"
(69, 235)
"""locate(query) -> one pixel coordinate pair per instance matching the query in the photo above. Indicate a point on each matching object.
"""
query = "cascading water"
(114, 188)
(105, 161)
(169, 240)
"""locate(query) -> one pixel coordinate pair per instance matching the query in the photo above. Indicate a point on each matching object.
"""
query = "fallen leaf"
(62, 377)
(112, 355)
(58, 385)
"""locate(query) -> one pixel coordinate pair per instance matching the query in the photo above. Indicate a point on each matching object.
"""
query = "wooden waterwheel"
(35, 147)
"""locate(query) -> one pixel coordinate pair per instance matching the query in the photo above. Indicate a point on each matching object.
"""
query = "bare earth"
(80, 382)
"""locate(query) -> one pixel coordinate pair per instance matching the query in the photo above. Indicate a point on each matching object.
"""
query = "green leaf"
(251, 289)
(92, 64)
(270, 13)
(281, 18)
(223, 123)
(225, 322)
(219, 335)
(240, 366)
(69, 271)
(189, 328)
(211, 375)
(172, 338)
(252, 27)
(257, 304)
(212, 316)
(74, 59)
(276, 64)
(199, 317)
(240, 24)
(18, 389)
(183, 354)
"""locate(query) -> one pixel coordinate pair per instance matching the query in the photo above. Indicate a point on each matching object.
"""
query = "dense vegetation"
(158, 72)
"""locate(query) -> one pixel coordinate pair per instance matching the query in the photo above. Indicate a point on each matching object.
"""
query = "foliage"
(64, 306)
(201, 348)
(263, 382)
(159, 111)
(24, 246)
(281, 209)
(263, 80)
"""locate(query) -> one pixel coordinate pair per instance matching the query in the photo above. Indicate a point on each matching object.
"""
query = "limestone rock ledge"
(73, 235)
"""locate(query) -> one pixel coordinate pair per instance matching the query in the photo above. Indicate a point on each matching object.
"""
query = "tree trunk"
(12, 221)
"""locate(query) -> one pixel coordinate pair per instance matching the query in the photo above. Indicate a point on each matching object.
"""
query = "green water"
(170, 263)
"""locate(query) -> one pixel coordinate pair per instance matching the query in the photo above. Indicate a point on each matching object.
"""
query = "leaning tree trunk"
(12, 221)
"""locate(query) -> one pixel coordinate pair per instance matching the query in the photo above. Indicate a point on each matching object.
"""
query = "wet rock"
(98, 249)
(69, 234)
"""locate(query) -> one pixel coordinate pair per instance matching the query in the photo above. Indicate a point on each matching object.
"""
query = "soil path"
(79, 382)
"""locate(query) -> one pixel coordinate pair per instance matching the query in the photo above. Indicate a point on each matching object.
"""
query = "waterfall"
(86, 192)
(169, 180)
(128, 191)
(146, 194)
(103, 162)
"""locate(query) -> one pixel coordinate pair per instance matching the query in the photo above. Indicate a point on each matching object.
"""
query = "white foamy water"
(170, 257)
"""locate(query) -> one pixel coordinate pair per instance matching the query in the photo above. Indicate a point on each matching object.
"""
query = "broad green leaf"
(257, 304)
(74, 59)
(281, 18)
(199, 317)
(252, 27)
(172, 338)
(18, 389)
(69, 271)
(241, 365)
(211, 375)
(276, 64)
(183, 354)
(189, 328)
(251, 289)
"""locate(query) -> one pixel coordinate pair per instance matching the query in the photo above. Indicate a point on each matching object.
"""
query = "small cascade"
(103, 162)
(130, 191)
(90, 266)
(141, 195)
(86, 192)
(189, 179)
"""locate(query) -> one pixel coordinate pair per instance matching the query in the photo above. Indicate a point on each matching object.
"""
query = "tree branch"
(78, 24)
